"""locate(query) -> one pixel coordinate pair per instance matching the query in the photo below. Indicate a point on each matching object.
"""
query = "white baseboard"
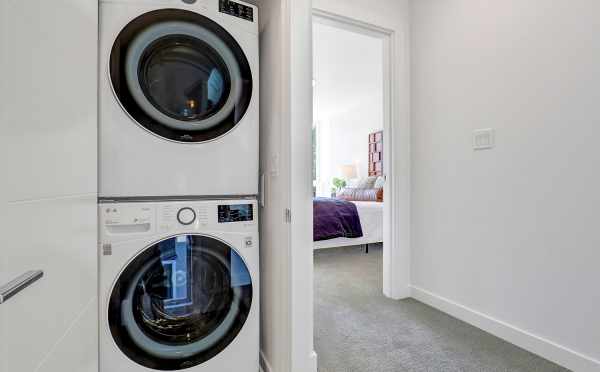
(313, 361)
(265, 366)
(547, 349)
(399, 293)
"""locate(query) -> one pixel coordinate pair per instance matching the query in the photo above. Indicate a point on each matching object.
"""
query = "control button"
(186, 216)
(248, 242)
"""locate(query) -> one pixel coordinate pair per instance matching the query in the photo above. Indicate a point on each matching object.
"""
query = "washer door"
(180, 302)
(180, 75)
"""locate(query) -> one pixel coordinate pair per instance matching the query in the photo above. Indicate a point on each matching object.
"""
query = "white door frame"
(394, 286)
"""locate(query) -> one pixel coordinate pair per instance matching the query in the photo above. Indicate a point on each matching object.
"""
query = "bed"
(355, 216)
(370, 215)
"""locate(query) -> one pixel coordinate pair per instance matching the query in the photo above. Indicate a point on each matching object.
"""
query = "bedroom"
(348, 131)
(349, 103)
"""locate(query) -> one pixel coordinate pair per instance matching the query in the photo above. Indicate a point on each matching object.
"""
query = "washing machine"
(178, 102)
(179, 286)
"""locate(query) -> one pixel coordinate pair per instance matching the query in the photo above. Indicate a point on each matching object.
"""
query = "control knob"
(186, 216)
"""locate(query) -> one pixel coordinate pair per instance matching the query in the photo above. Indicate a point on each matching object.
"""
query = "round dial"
(186, 216)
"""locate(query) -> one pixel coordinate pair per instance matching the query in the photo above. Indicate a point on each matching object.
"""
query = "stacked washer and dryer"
(178, 128)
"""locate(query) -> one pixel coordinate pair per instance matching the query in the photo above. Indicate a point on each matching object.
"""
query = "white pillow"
(379, 182)
(353, 182)
(366, 183)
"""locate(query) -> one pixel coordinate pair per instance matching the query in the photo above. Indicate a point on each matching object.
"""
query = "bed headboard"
(376, 154)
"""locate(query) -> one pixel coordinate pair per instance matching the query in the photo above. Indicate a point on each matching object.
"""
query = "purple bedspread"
(335, 218)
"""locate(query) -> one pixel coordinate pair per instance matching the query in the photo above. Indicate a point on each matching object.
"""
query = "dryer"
(179, 286)
(178, 103)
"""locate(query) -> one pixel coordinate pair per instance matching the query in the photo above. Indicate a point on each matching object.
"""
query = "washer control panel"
(116, 215)
(124, 220)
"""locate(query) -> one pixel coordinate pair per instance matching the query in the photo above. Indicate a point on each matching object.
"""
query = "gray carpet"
(358, 330)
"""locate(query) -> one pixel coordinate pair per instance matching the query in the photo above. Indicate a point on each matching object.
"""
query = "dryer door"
(180, 75)
(180, 302)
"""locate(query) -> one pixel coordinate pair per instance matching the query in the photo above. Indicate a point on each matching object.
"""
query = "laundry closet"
(133, 187)
(105, 178)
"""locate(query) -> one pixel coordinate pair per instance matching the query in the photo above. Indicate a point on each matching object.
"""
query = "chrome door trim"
(18, 284)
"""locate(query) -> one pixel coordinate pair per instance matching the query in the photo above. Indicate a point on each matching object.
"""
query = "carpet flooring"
(357, 329)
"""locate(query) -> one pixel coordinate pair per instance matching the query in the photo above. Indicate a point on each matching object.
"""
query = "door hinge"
(288, 215)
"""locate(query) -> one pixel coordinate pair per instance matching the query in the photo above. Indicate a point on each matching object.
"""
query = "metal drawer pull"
(17, 285)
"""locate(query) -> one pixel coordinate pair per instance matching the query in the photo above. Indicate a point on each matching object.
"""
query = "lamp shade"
(348, 171)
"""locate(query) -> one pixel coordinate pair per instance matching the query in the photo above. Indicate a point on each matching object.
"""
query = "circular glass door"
(180, 302)
(180, 75)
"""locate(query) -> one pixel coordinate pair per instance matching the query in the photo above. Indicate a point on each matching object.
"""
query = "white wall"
(48, 186)
(285, 161)
(348, 71)
(510, 235)
(299, 54)
(275, 343)
(343, 140)
(390, 17)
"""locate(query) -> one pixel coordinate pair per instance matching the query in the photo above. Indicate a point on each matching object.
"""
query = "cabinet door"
(48, 137)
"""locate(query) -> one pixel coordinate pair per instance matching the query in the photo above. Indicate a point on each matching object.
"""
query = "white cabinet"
(48, 184)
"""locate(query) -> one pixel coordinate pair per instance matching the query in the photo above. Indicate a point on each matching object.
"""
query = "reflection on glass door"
(180, 302)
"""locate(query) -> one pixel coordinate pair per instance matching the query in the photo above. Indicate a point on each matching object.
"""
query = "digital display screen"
(236, 9)
(236, 213)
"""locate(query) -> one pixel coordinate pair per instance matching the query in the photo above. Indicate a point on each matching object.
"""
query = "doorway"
(352, 174)
(286, 104)
(352, 131)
